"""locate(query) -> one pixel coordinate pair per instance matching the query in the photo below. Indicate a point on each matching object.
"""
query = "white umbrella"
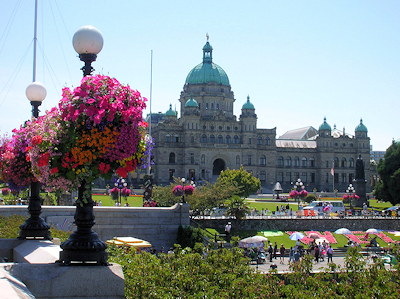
(296, 236)
(255, 241)
(343, 231)
(372, 231)
(313, 236)
(321, 240)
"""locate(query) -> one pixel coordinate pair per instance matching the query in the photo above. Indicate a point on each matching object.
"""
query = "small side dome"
(325, 126)
(248, 105)
(170, 112)
(361, 127)
(191, 103)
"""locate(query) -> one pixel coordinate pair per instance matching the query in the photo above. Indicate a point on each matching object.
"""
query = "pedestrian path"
(317, 267)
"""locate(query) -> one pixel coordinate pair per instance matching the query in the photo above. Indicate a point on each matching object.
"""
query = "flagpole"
(151, 94)
(333, 174)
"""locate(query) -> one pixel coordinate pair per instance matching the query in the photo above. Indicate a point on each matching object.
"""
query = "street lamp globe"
(36, 93)
(87, 42)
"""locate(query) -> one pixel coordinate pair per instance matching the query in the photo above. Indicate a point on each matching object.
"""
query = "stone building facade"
(208, 138)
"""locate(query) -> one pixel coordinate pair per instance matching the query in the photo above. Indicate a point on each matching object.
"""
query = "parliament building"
(208, 138)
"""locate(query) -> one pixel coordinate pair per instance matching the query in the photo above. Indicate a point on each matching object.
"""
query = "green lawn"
(106, 200)
(284, 239)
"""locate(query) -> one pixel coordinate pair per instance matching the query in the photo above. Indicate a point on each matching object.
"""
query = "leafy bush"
(188, 236)
(310, 197)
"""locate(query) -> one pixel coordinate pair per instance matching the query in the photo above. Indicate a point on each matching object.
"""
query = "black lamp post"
(120, 184)
(35, 227)
(299, 187)
(84, 245)
(350, 191)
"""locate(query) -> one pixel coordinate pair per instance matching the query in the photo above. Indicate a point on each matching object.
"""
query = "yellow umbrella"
(129, 241)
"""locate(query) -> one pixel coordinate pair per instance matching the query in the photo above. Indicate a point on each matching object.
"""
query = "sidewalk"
(317, 267)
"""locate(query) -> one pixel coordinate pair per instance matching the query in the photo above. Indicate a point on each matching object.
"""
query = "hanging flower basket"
(178, 190)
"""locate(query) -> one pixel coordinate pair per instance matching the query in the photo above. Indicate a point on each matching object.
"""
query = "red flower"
(104, 168)
(122, 172)
(37, 140)
(43, 159)
(188, 189)
(54, 170)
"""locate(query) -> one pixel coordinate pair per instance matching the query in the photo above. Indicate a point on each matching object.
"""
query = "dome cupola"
(361, 127)
(207, 71)
(325, 126)
(170, 112)
(248, 105)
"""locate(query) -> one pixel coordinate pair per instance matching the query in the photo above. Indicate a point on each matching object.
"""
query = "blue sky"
(299, 61)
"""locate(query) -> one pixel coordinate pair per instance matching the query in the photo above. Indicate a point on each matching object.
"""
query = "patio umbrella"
(313, 236)
(321, 240)
(372, 231)
(343, 231)
(392, 208)
(296, 236)
(255, 241)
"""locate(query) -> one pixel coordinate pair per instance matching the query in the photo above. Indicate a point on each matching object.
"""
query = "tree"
(237, 207)
(242, 179)
(389, 171)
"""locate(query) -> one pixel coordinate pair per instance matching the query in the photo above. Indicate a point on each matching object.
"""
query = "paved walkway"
(317, 267)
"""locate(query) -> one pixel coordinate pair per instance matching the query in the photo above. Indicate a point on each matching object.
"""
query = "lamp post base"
(35, 227)
(84, 245)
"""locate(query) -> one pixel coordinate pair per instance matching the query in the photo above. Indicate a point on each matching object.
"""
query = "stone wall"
(294, 224)
(159, 226)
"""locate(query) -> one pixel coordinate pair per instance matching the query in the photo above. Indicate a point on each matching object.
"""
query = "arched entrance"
(218, 166)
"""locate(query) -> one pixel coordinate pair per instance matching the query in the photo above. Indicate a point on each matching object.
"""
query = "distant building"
(377, 155)
(208, 138)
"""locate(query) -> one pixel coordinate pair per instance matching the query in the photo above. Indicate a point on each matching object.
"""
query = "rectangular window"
(288, 177)
(249, 159)
(344, 178)
(351, 178)
(171, 174)
(336, 178)
(279, 177)
(191, 158)
(296, 176)
(327, 178)
(304, 177)
(312, 178)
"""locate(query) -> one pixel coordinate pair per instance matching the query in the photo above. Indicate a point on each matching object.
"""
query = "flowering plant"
(98, 129)
(188, 189)
(15, 167)
(178, 190)
(5, 191)
(125, 192)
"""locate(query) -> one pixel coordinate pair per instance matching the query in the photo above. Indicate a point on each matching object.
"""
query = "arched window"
(304, 162)
(267, 141)
(263, 161)
(259, 140)
(351, 163)
(212, 139)
(204, 138)
(344, 164)
(280, 162)
(336, 162)
(220, 139)
(296, 162)
(236, 139)
(237, 160)
(171, 159)
(228, 139)
(288, 162)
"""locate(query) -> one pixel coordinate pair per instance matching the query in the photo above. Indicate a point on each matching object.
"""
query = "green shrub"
(310, 197)
(188, 236)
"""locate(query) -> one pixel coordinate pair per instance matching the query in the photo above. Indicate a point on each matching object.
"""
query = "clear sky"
(299, 61)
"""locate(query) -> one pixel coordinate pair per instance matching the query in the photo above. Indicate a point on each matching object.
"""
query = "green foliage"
(247, 184)
(223, 273)
(388, 188)
(164, 197)
(237, 207)
(9, 228)
(188, 236)
(310, 197)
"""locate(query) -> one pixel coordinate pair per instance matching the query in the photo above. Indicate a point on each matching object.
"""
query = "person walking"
(329, 252)
(228, 228)
(316, 254)
(275, 250)
(270, 252)
(282, 254)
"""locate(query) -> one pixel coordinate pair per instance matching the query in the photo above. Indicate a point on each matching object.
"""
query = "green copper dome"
(325, 126)
(170, 112)
(207, 71)
(248, 105)
(361, 127)
(191, 103)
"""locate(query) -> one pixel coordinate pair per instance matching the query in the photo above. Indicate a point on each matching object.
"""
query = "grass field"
(106, 200)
